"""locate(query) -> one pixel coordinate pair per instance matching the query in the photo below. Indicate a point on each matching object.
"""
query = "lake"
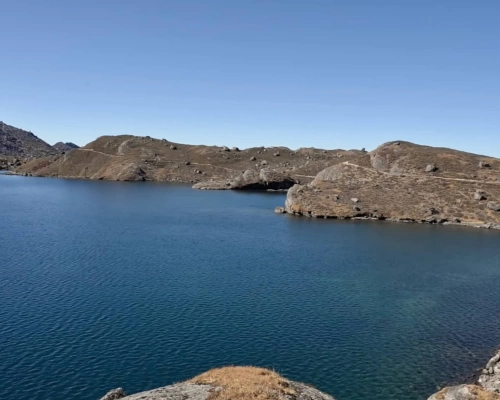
(139, 285)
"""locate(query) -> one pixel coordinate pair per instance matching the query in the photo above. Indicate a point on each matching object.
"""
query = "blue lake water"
(139, 285)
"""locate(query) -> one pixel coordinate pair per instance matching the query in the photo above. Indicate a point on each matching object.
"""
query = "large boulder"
(235, 383)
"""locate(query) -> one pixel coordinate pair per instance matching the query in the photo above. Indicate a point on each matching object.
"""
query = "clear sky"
(323, 73)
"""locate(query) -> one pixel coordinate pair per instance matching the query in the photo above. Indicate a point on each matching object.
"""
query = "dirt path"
(99, 152)
(423, 176)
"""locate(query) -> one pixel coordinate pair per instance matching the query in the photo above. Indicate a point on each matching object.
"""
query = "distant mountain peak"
(60, 146)
(17, 142)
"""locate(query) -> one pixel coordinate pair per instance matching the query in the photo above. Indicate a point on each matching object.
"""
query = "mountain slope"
(15, 142)
(144, 158)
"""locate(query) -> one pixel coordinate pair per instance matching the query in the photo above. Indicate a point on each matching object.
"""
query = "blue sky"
(323, 73)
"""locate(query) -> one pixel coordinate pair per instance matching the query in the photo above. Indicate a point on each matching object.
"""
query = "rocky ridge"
(235, 383)
(17, 144)
(135, 158)
(401, 181)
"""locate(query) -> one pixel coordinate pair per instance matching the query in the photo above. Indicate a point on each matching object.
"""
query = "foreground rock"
(236, 383)
(488, 387)
(392, 183)
(490, 377)
(465, 392)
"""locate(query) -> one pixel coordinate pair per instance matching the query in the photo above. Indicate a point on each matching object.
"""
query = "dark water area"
(139, 285)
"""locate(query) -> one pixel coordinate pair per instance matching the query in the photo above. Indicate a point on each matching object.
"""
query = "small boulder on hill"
(493, 206)
(431, 168)
(480, 195)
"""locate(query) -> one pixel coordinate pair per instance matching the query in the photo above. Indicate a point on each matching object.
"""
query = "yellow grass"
(245, 383)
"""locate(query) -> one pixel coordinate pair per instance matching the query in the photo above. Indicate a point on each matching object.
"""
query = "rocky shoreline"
(402, 182)
(487, 386)
(242, 383)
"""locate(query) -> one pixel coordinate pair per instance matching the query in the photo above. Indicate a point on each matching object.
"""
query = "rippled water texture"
(106, 284)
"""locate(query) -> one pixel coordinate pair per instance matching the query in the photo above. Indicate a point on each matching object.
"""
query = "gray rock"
(480, 195)
(172, 147)
(225, 148)
(493, 360)
(114, 394)
(356, 208)
(483, 164)
(355, 200)
(191, 391)
(235, 149)
(464, 392)
(252, 159)
(188, 163)
(431, 168)
(263, 162)
(493, 206)
(280, 210)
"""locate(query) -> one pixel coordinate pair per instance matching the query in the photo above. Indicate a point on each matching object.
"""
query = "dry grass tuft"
(482, 394)
(246, 383)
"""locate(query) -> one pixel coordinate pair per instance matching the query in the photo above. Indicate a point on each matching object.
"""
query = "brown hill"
(17, 143)
(403, 181)
(134, 158)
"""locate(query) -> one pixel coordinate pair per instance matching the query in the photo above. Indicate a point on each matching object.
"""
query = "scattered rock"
(277, 154)
(433, 211)
(235, 149)
(225, 148)
(356, 208)
(188, 163)
(280, 210)
(355, 200)
(263, 162)
(431, 168)
(252, 158)
(493, 206)
(172, 147)
(480, 195)
(483, 164)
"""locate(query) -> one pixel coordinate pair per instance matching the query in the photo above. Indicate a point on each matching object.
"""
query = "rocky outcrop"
(20, 144)
(490, 376)
(465, 392)
(265, 179)
(236, 383)
(392, 183)
(488, 387)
